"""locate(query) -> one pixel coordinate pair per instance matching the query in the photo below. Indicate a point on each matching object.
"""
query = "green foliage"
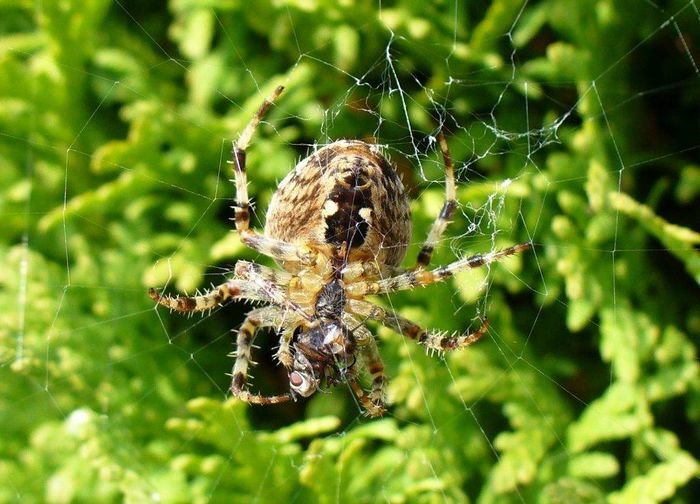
(115, 127)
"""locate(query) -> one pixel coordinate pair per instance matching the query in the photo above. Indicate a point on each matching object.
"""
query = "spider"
(338, 225)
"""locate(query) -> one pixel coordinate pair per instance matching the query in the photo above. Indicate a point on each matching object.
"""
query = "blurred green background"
(574, 124)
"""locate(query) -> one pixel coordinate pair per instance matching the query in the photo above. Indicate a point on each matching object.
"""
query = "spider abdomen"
(346, 192)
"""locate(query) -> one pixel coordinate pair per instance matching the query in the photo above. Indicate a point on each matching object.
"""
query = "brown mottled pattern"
(296, 213)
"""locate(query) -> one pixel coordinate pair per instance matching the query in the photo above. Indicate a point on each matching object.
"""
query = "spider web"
(511, 131)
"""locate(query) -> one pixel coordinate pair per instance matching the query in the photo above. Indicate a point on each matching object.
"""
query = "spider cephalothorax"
(338, 225)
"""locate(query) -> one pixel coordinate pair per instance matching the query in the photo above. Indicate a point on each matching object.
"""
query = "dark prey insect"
(338, 226)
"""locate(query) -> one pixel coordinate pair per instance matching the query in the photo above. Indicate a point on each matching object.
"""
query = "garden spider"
(338, 225)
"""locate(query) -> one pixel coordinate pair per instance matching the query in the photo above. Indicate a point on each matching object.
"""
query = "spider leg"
(262, 317)
(438, 340)
(373, 402)
(255, 285)
(359, 331)
(276, 249)
(257, 273)
(232, 289)
(372, 409)
(448, 208)
(412, 279)
(272, 283)
(239, 155)
(284, 353)
(368, 269)
(248, 270)
(375, 366)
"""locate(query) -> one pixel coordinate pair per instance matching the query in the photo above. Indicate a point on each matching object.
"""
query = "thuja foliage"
(115, 124)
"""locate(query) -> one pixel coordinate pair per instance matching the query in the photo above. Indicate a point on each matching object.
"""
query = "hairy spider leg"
(239, 154)
(259, 274)
(250, 270)
(434, 340)
(256, 286)
(412, 279)
(262, 317)
(277, 249)
(371, 360)
(231, 289)
(375, 367)
(369, 269)
(273, 283)
(371, 409)
(284, 352)
(448, 208)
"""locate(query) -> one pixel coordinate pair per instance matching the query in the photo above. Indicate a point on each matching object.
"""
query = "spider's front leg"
(277, 249)
(375, 366)
(374, 402)
(438, 340)
(239, 155)
(255, 286)
(272, 283)
(262, 317)
(372, 408)
(284, 352)
(232, 289)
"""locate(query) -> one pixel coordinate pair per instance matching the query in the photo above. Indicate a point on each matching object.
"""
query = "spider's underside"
(338, 225)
